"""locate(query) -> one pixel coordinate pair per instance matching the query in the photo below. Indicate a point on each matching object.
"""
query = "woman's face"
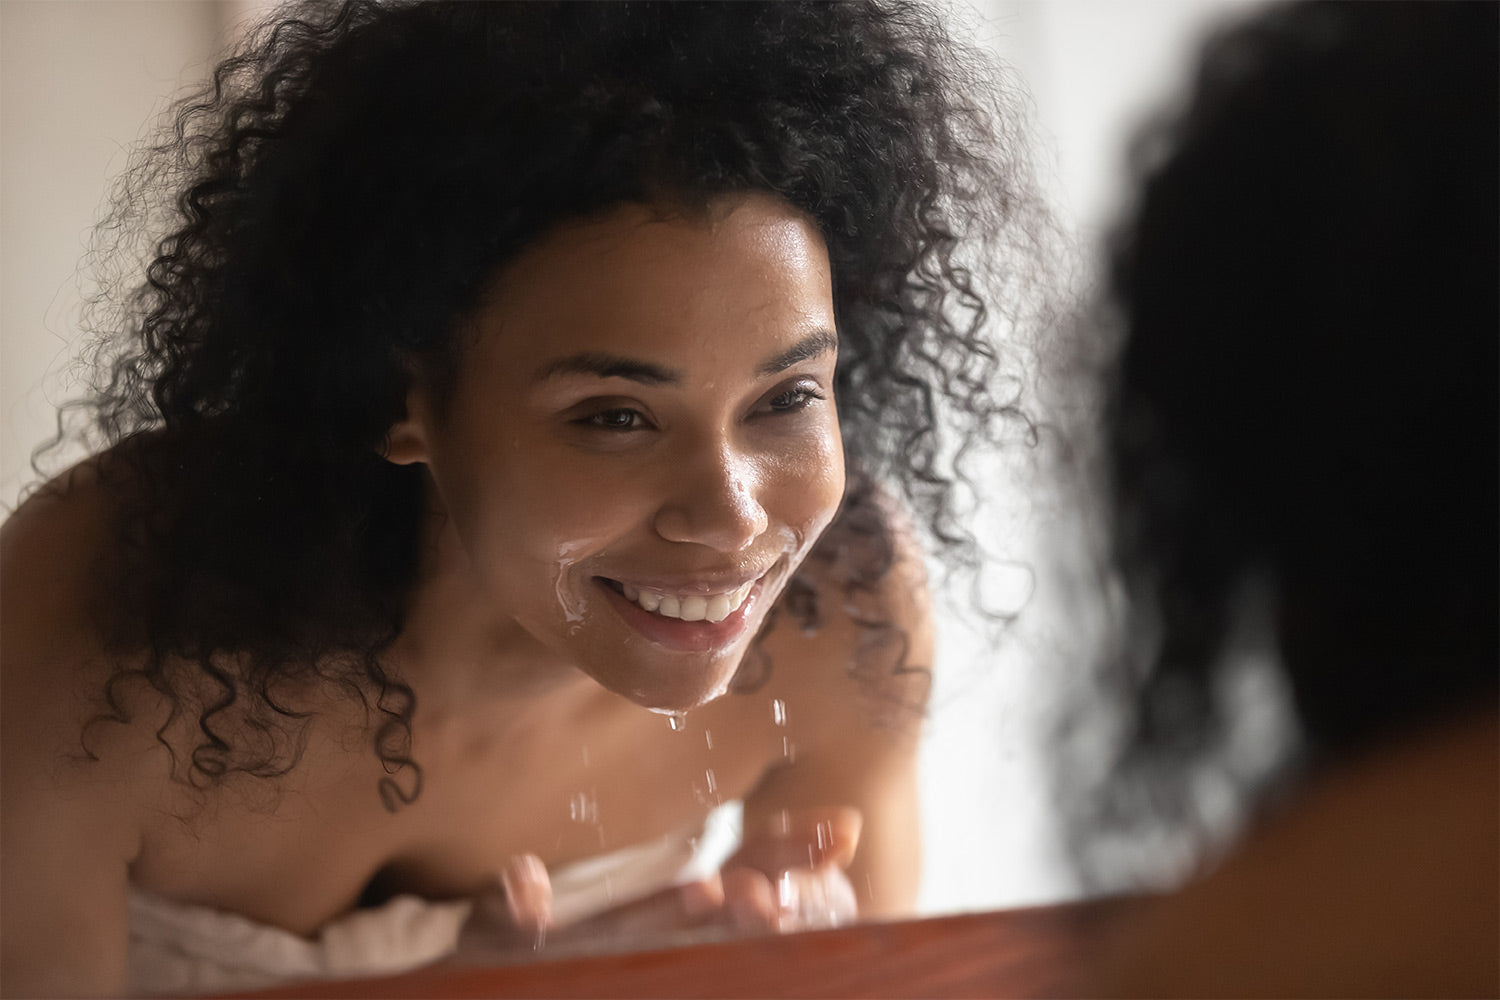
(642, 444)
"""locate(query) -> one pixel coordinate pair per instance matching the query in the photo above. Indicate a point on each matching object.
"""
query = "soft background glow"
(81, 80)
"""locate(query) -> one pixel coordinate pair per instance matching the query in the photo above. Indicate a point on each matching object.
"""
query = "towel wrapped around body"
(182, 948)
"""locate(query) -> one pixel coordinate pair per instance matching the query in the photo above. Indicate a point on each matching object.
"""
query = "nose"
(713, 501)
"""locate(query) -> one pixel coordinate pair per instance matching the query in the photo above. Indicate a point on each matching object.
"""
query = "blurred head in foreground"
(1301, 437)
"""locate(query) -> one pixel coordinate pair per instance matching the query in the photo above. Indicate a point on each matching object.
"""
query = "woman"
(508, 371)
(1301, 441)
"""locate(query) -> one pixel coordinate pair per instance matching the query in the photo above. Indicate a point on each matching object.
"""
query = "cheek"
(522, 512)
(811, 485)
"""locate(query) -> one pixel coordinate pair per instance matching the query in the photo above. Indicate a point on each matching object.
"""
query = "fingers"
(787, 875)
(797, 899)
(813, 899)
(703, 899)
(528, 893)
(749, 900)
(801, 838)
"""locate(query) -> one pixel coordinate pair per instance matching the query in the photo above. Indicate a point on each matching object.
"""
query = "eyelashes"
(783, 402)
(618, 419)
(798, 397)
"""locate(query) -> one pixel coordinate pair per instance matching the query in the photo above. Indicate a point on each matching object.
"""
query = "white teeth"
(692, 608)
(718, 608)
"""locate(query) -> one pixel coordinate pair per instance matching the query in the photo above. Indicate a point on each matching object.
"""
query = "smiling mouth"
(712, 608)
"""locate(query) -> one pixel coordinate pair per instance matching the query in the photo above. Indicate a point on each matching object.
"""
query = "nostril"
(713, 501)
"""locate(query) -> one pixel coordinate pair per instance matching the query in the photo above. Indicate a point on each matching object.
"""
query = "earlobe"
(406, 441)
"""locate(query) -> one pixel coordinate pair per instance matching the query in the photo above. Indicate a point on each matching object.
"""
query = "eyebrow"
(603, 365)
(809, 347)
(600, 364)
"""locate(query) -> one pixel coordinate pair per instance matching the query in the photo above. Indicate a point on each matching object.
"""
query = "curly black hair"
(352, 178)
(1304, 402)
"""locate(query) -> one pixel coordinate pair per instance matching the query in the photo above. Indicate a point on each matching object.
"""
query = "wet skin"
(646, 404)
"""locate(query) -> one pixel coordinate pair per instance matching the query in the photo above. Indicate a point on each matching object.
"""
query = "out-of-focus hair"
(1303, 407)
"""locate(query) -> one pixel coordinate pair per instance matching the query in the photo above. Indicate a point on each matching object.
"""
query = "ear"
(406, 443)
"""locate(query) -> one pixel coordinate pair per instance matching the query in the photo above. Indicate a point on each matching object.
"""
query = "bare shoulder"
(70, 821)
(57, 563)
(51, 553)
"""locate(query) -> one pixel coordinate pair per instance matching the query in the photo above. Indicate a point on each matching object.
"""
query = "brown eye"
(616, 420)
(795, 398)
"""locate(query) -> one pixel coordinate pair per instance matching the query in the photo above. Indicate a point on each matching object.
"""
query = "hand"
(787, 876)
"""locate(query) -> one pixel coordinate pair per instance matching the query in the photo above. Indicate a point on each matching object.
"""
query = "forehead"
(748, 270)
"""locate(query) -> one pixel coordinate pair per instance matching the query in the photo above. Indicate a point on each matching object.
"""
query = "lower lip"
(675, 634)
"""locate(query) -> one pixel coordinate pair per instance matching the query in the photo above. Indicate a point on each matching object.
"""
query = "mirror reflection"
(513, 475)
(556, 480)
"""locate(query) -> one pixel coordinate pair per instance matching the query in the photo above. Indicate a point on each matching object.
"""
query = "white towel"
(181, 948)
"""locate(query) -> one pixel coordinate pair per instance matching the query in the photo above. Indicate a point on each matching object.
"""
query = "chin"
(672, 695)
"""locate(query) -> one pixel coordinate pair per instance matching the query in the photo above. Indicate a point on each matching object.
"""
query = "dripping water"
(583, 807)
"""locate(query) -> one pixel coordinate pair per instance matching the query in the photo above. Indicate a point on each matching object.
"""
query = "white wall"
(1094, 68)
(79, 80)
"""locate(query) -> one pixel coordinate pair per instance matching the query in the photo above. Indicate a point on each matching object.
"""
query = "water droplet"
(825, 835)
(778, 711)
(785, 818)
(786, 893)
(707, 792)
(541, 939)
(586, 756)
(677, 720)
(788, 750)
(708, 738)
(583, 807)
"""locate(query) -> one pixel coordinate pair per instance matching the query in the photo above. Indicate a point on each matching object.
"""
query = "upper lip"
(696, 584)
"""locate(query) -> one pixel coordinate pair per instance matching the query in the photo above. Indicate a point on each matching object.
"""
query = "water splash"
(707, 793)
(786, 893)
(778, 711)
(583, 806)
(574, 606)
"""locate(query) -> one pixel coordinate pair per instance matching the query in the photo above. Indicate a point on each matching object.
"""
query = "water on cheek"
(573, 601)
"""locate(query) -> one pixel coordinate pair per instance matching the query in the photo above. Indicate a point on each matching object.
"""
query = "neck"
(459, 646)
